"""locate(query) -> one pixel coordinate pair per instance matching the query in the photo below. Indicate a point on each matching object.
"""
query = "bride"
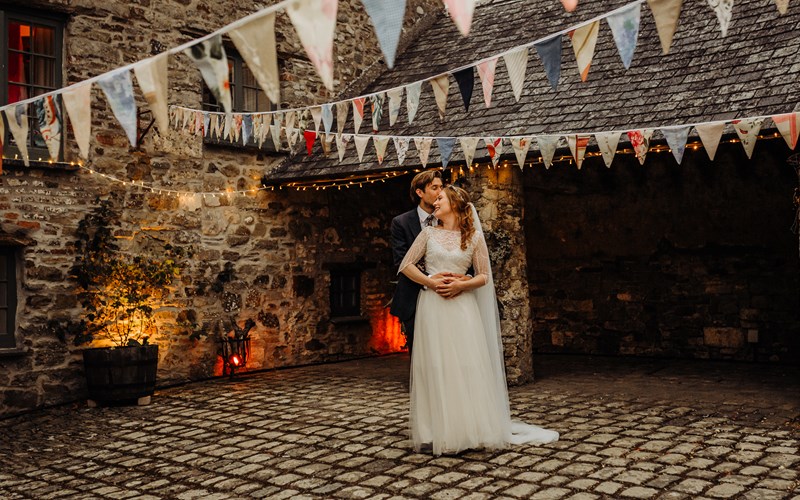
(459, 398)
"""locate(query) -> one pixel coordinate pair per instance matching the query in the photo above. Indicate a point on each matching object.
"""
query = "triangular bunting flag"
(291, 133)
(468, 145)
(215, 127)
(547, 146)
(640, 141)
(77, 102)
(395, 100)
(228, 127)
(341, 115)
(521, 146)
(247, 129)
(17, 117)
(676, 139)
(237, 121)
(624, 26)
(118, 89)
(486, 71)
(358, 112)
(783, 6)
(461, 12)
(327, 117)
(747, 130)
(326, 140)
(361, 145)
(48, 115)
(342, 140)
(206, 123)
(494, 146)
(316, 115)
(209, 57)
(255, 41)
(466, 82)
(569, 5)
(152, 77)
(724, 11)
(380, 142)
(789, 127)
(315, 23)
(577, 145)
(412, 99)
(275, 130)
(516, 64)
(584, 40)
(387, 17)
(445, 149)
(441, 87)
(187, 118)
(423, 149)
(607, 143)
(710, 134)
(550, 53)
(310, 136)
(666, 13)
(198, 123)
(376, 100)
(401, 146)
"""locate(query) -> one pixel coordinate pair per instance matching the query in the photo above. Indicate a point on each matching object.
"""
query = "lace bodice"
(442, 251)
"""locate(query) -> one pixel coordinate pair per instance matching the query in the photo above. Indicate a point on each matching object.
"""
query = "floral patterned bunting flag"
(380, 142)
(607, 142)
(441, 87)
(494, 146)
(577, 145)
(401, 146)
(423, 149)
(376, 100)
(358, 112)
(315, 23)
(676, 139)
(341, 115)
(724, 11)
(210, 58)
(342, 140)
(789, 127)
(521, 146)
(640, 141)
(255, 41)
(624, 26)
(247, 129)
(468, 145)
(747, 130)
(152, 77)
(395, 100)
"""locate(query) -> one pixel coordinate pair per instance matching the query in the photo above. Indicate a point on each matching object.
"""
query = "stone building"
(660, 259)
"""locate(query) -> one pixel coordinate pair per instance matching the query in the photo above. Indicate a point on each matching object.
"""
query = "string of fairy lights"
(361, 180)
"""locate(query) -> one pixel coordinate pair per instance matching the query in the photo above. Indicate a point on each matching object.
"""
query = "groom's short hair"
(421, 181)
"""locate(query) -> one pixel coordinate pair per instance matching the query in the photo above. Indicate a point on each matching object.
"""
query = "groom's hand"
(450, 285)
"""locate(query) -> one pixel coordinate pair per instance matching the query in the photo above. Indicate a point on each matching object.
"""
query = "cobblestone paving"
(629, 429)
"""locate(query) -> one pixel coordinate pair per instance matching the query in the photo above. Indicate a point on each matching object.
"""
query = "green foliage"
(118, 291)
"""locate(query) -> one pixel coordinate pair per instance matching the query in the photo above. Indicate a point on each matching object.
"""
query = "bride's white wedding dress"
(459, 398)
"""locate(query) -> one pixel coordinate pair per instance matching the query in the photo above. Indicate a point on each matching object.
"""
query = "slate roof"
(752, 71)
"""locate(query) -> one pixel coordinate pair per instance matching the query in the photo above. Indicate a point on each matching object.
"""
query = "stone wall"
(256, 256)
(694, 260)
(498, 197)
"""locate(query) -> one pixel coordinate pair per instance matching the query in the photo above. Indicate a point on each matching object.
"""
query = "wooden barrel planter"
(121, 374)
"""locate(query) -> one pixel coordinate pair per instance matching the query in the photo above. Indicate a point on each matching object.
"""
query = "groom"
(425, 188)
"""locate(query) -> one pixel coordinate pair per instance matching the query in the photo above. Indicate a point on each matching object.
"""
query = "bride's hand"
(450, 287)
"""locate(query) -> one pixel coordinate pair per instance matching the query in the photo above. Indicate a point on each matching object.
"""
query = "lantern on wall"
(236, 348)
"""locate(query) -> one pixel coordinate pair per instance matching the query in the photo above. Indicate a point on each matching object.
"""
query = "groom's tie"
(429, 220)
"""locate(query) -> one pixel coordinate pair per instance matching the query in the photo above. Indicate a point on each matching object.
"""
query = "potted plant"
(119, 292)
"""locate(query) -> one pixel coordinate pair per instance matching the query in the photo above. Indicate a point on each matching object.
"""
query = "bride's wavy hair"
(459, 204)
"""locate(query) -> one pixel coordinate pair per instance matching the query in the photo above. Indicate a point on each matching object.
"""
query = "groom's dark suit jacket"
(405, 229)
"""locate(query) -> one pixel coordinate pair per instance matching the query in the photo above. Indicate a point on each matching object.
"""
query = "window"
(8, 296)
(345, 293)
(30, 66)
(246, 97)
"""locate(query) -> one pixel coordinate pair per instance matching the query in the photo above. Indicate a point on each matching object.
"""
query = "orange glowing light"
(387, 337)
(235, 360)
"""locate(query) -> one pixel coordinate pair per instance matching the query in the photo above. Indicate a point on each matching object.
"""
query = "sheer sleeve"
(480, 257)
(417, 250)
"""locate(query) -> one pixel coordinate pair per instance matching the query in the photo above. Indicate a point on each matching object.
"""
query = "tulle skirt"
(455, 400)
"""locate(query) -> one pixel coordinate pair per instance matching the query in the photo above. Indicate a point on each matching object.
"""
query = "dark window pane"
(44, 40)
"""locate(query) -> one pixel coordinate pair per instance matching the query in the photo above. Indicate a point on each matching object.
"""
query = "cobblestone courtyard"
(629, 429)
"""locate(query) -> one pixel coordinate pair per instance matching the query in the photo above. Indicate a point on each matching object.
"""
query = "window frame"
(339, 273)
(50, 20)
(237, 104)
(8, 340)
